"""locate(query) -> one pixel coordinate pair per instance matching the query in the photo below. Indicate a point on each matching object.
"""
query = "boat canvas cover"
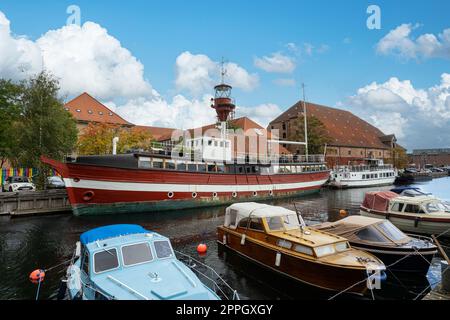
(378, 200)
(111, 231)
(238, 211)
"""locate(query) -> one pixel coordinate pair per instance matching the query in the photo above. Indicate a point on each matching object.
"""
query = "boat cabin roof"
(416, 200)
(258, 210)
(111, 231)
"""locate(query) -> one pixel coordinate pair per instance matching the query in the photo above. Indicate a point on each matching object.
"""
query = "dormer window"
(90, 112)
(78, 110)
(100, 113)
(111, 114)
(67, 109)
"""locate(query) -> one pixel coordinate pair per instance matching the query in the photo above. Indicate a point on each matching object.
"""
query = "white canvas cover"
(238, 211)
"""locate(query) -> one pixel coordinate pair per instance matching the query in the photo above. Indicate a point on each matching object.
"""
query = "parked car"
(55, 182)
(18, 183)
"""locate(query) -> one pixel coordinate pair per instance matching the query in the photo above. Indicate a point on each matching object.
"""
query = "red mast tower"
(222, 101)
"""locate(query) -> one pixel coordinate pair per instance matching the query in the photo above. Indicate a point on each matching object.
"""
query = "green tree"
(317, 133)
(10, 94)
(44, 127)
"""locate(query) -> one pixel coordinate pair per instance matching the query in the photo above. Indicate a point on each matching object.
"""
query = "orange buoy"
(343, 213)
(202, 248)
(37, 276)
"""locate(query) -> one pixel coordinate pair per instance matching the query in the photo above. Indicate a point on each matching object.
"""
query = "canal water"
(41, 242)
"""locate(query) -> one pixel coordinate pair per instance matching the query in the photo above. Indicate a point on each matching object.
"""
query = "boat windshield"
(105, 260)
(391, 231)
(372, 234)
(282, 223)
(136, 254)
(436, 207)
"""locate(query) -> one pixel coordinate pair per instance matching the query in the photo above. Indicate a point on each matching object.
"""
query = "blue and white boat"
(128, 262)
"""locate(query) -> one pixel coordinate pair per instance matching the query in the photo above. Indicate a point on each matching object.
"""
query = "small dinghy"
(380, 237)
(128, 262)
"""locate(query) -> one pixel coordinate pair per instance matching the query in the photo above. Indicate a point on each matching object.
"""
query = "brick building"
(351, 138)
(435, 157)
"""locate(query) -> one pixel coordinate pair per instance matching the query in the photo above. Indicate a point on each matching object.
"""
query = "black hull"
(398, 260)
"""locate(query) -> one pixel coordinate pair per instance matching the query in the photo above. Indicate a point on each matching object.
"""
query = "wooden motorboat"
(398, 251)
(422, 214)
(278, 239)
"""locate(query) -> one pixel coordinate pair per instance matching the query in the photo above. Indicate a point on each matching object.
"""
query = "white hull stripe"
(166, 187)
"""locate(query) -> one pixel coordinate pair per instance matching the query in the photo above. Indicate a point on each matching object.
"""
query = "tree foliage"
(317, 133)
(10, 94)
(44, 127)
(97, 139)
(399, 158)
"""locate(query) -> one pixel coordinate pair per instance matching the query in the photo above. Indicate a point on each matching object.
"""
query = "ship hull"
(107, 190)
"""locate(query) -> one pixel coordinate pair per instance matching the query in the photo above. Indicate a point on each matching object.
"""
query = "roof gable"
(87, 108)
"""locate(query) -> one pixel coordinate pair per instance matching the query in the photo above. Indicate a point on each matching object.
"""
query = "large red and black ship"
(149, 181)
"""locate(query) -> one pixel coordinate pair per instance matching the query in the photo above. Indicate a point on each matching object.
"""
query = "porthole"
(170, 194)
(194, 195)
(214, 195)
(234, 194)
(270, 192)
(88, 195)
(255, 193)
(76, 179)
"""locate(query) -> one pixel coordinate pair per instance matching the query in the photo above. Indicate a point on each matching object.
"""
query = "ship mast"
(305, 122)
(223, 104)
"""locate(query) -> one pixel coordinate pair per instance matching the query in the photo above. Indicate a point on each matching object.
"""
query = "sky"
(156, 62)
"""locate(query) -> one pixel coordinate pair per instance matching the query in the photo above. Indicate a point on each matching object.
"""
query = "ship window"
(209, 142)
(370, 234)
(144, 163)
(284, 244)
(136, 254)
(221, 168)
(192, 167)
(247, 169)
(303, 249)
(202, 167)
(324, 250)
(256, 224)
(105, 260)
(341, 246)
(211, 168)
(157, 163)
(275, 223)
(398, 206)
(216, 143)
(240, 169)
(181, 166)
(163, 249)
(435, 207)
(170, 165)
(391, 231)
(413, 208)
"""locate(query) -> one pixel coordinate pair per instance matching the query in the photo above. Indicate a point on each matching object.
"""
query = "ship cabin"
(281, 228)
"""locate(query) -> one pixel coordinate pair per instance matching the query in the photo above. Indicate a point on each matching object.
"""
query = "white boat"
(373, 173)
(422, 214)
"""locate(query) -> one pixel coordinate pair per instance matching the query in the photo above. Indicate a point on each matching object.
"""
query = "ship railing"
(209, 277)
(277, 158)
(361, 168)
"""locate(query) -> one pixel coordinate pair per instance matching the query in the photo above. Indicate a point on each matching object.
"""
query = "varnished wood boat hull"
(324, 276)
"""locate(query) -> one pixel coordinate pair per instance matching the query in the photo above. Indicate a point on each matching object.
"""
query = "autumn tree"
(399, 157)
(317, 133)
(97, 139)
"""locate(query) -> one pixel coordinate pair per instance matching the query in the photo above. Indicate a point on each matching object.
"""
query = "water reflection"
(40, 242)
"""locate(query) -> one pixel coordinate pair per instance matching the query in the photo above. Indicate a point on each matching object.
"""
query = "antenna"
(223, 70)
(301, 221)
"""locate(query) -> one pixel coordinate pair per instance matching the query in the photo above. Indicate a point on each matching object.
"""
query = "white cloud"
(19, 57)
(83, 58)
(277, 63)
(399, 42)
(179, 113)
(418, 117)
(197, 73)
(262, 114)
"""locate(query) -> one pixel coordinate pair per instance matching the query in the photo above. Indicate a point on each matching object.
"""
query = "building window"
(284, 135)
(78, 110)
(284, 126)
(349, 152)
(100, 113)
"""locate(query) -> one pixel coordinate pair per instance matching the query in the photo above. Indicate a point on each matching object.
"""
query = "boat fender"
(278, 259)
(224, 239)
(243, 239)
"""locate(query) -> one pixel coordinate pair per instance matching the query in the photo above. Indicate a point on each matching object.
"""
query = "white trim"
(166, 187)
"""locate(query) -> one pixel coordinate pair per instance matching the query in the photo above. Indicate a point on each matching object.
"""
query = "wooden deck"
(28, 203)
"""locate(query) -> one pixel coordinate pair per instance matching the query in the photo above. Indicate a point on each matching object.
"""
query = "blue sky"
(344, 57)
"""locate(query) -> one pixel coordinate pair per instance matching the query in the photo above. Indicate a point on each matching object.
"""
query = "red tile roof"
(343, 127)
(85, 108)
(159, 133)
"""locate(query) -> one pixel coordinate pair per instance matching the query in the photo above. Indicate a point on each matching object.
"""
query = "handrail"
(216, 286)
(128, 288)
